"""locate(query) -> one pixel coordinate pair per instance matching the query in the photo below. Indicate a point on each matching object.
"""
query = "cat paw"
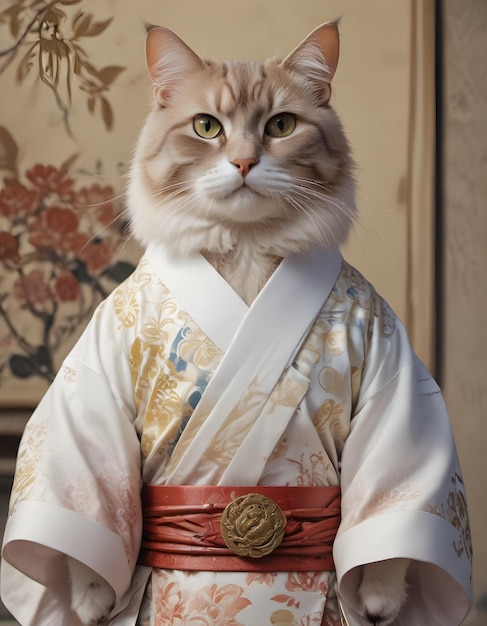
(92, 598)
(380, 610)
(383, 591)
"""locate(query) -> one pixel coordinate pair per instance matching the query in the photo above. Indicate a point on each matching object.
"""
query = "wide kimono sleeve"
(402, 489)
(77, 483)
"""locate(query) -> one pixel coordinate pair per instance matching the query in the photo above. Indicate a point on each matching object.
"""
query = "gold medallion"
(253, 525)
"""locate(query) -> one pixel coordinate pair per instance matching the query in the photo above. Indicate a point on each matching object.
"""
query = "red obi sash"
(192, 527)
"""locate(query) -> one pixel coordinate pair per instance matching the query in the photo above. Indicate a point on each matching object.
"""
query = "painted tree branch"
(59, 54)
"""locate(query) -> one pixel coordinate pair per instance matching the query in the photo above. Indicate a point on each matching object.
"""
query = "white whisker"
(94, 205)
(105, 227)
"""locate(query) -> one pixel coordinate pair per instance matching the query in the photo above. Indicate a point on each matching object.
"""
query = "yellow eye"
(207, 126)
(281, 125)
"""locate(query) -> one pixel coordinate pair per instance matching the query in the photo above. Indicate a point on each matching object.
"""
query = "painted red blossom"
(48, 179)
(32, 288)
(9, 247)
(100, 199)
(57, 243)
(57, 228)
(66, 287)
(17, 200)
(97, 255)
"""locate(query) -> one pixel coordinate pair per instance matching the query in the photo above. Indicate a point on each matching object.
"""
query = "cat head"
(242, 151)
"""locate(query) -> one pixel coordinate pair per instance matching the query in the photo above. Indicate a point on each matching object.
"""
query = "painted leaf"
(120, 271)
(25, 65)
(66, 165)
(88, 28)
(57, 12)
(107, 113)
(98, 27)
(89, 67)
(8, 151)
(82, 26)
(108, 74)
(22, 366)
(77, 66)
(13, 13)
(80, 271)
(60, 48)
(76, 17)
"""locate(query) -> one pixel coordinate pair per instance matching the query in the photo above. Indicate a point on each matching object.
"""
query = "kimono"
(176, 381)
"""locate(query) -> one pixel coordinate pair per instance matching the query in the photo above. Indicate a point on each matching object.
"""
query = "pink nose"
(244, 165)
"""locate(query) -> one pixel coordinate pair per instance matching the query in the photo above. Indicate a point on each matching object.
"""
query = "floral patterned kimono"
(177, 381)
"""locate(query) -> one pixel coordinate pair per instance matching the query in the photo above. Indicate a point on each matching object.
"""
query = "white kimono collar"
(260, 344)
(299, 285)
(201, 291)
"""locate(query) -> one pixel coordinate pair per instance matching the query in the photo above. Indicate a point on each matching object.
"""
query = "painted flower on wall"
(59, 242)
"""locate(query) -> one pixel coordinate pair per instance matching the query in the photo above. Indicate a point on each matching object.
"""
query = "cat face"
(241, 149)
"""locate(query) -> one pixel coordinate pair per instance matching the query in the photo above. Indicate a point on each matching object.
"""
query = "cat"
(245, 162)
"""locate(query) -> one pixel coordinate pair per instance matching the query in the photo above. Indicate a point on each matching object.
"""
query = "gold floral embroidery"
(332, 419)
(314, 470)
(237, 425)
(154, 333)
(311, 351)
(288, 391)
(126, 307)
(171, 363)
(205, 354)
(455, 512)
(334, 336)
(30, 453)
(162, 419)
(125, 297)
(69, 374)
(254, 404)
(283, 617)
(332, 382)
(336, 341)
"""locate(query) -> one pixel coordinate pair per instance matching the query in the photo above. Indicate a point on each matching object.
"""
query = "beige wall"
(465, 243)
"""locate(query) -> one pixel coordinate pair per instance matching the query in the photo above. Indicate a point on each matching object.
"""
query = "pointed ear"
(316, 59)
(169, 60)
